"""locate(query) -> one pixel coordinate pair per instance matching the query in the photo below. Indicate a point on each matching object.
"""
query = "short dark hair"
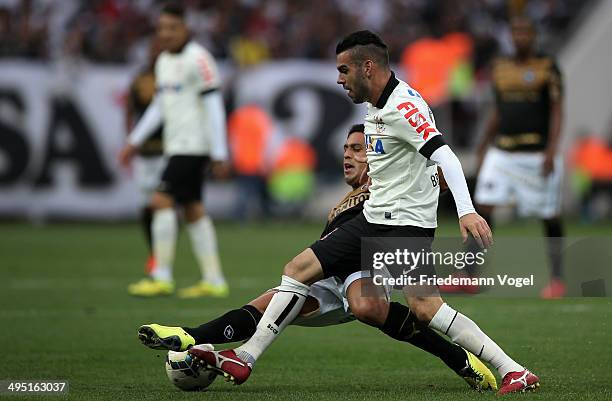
(356, 128)
(175, 9)
(365, 45)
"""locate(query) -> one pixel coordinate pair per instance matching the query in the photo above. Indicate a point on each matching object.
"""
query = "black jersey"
(140, 96)
(524, 92)
(350, 206)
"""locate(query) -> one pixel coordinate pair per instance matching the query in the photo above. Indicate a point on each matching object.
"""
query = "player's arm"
(212, 101)
(208, 81)
(556, 118)
(429, 142)
(144, 129)
(469, 220)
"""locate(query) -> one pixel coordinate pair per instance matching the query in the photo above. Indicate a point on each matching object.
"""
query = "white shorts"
(333, 304)
(147, 173)
(515, 177)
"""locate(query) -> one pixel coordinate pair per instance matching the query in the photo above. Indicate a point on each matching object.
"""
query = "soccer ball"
(186, 375)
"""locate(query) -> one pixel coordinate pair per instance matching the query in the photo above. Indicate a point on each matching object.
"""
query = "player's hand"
(549, 164)
(126, 154)
(474, 224)
(221, 169)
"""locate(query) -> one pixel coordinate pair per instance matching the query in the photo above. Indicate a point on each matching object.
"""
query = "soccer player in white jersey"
(333, 300)
(189, 103)
(402, 139)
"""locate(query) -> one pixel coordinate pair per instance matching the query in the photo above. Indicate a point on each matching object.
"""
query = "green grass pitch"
(65, 314)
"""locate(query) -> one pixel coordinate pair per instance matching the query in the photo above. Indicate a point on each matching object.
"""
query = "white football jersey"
(181, 79)
(400, 136)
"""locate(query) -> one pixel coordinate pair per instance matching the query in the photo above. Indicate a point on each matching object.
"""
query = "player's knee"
(424, 309)
(193, 212)
(369, 310)
(161, 201)
(422, 314)
(293, 268)
(304, 268)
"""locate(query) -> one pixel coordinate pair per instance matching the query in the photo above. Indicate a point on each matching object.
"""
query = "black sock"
(146, 219)
(450, 353)
(235, 325)
(402, 325)
(553, 229)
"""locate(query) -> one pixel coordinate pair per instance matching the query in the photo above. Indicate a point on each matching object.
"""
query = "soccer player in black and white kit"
(331, 301)
(524, 165)
(402, 142)
(149, 163)
(190, 105)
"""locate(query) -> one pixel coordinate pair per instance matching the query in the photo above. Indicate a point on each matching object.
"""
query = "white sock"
(164, 230)
(463, 331)
(204, 244)
(283, 308)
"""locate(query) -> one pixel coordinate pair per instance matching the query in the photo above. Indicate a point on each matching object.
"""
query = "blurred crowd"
(252, 31)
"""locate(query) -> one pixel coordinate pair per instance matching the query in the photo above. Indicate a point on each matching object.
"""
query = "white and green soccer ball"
(185, 374)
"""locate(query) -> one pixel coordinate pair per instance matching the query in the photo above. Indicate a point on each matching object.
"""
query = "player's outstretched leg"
(401, 325)
(165, 337)
(236, 365)
(369, 304)
(284, 306)
(467, 334)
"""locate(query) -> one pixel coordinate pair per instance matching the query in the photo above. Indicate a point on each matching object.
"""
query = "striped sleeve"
(206, 72)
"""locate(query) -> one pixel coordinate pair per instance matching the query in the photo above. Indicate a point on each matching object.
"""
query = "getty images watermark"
(513, 267)
(410, 262)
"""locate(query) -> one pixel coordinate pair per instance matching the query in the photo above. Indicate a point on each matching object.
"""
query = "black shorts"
(339, 252)
(183, 178)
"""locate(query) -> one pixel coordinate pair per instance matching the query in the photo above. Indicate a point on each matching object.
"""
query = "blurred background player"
(523, 165)
(149, 163)
(189, 103)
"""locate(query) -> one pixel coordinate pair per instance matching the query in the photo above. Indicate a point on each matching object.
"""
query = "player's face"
(523, 36)
(172, 32)
(352, 77)
(354, 148)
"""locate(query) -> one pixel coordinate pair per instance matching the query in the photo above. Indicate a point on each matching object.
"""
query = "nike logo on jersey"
(416, 119)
